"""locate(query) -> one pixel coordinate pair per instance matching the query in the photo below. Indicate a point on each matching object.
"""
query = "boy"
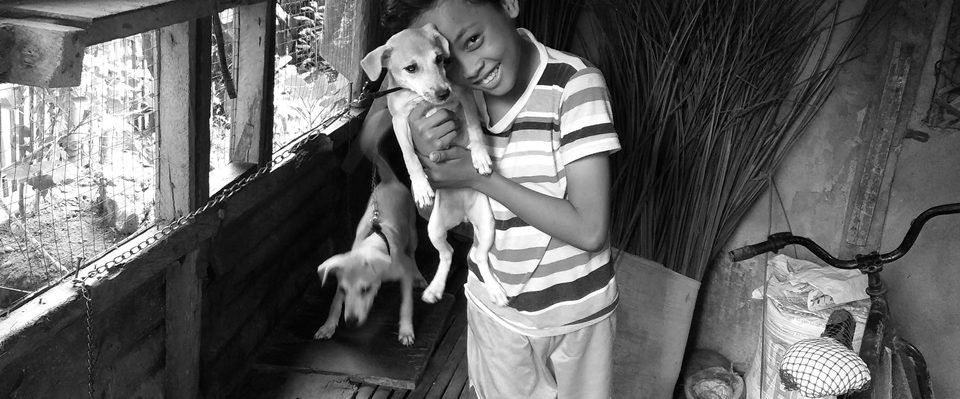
(549, 127)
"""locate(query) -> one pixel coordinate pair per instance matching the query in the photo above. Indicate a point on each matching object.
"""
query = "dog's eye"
(441, 60)
(364, 290)
(412, 68)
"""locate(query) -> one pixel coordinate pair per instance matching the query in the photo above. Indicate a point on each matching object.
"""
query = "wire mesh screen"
(307, 90)
(77, 166)
(945, 105)
(222, 107)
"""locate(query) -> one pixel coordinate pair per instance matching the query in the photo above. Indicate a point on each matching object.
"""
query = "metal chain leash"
(373, 198)
(88, 321)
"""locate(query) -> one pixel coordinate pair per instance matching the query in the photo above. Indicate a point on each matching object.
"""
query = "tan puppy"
(383, 253)
(415, 61)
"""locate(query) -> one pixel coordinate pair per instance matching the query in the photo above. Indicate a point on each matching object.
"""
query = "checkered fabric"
(819, 367)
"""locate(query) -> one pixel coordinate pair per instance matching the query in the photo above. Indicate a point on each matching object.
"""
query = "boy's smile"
(486, 51)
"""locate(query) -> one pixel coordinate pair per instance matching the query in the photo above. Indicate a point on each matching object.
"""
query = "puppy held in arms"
(415, 61)
(382, 250)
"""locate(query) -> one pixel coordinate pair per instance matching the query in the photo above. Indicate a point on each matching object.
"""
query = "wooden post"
(882, 133)
(184, 146)
(251, 138)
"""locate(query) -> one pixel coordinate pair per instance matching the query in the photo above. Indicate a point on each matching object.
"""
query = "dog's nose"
(443, 94)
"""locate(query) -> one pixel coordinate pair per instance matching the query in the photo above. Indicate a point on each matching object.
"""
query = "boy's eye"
(412, 68)
(473, 41)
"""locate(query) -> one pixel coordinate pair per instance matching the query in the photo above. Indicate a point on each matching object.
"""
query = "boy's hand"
(454, 171)
(434, 132)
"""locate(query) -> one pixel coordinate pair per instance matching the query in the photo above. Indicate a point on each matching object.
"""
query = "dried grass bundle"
(552, 22)
(708, 97)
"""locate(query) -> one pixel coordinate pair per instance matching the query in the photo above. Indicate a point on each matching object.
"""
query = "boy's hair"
(398, 14)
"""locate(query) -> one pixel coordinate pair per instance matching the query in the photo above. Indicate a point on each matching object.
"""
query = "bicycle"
(878, 336)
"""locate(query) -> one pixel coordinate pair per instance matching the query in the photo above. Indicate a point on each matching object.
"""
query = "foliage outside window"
(77, 166)
(307, 90)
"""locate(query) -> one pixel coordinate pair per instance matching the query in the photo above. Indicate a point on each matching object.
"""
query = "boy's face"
(484, 45)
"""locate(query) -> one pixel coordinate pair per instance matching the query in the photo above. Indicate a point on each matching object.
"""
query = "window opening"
(222, 107)
(307, 90)
(76, 166)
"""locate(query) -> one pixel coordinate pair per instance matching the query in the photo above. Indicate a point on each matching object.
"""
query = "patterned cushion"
(819, 367)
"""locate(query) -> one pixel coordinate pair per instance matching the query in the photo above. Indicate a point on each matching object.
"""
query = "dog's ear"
(373, 62)
(332, 264)
(437, 37)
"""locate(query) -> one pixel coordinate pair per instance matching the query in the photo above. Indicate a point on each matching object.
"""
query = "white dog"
(414, 59)
(383, 250)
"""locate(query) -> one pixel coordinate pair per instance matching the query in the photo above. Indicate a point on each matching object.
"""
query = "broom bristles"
(708, 98)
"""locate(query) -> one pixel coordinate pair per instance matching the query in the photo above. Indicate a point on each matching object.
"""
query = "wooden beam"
(184, 103)
(251, 138)
(40, 53)
(866, 207)
(103, 21)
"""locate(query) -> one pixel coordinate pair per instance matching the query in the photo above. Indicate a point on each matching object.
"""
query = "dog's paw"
(406, 335)
(433, 292)
(497, 295)
(422, 192)
(325, 331)
(481, 160)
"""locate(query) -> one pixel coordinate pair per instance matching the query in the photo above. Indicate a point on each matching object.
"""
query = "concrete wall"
(922, 286)
(815, 185)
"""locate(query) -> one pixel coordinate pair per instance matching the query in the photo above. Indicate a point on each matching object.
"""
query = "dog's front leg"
(478, 150)
(406, 311)
(422, 192)
(442, 218)
(333, 318)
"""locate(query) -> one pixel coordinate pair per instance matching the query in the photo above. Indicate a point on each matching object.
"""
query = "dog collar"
(369, 91)
(376, 229)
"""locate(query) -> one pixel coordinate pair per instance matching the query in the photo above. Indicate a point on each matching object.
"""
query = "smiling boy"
(549, 128)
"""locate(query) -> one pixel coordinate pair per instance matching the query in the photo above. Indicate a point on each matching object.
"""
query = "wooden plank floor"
(369, 353)
(446, 373)
(444, 377)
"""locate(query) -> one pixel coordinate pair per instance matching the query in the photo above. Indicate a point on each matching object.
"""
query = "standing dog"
(383, 250)
(415, 60)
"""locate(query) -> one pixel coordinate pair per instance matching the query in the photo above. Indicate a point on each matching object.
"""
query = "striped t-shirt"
(564, 115)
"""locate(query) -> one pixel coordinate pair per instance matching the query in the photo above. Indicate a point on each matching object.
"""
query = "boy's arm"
(582, 219)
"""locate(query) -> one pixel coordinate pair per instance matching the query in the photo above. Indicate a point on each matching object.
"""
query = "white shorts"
(503, 364)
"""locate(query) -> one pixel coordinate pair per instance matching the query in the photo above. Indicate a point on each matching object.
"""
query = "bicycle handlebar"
(777, 241)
